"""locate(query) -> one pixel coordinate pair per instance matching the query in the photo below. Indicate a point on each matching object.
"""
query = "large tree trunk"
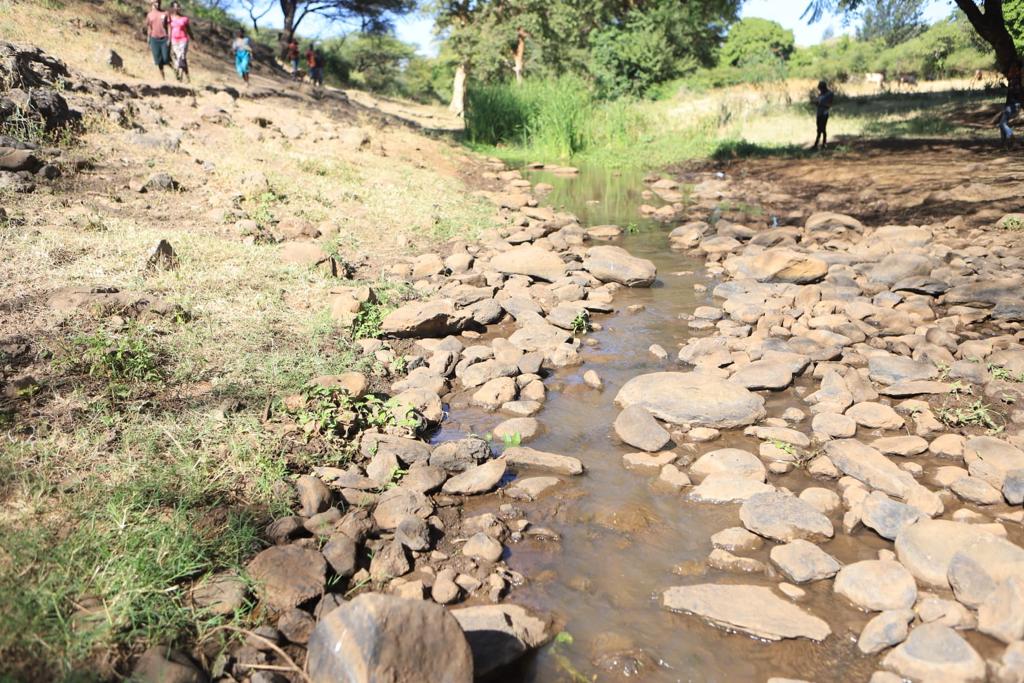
(288, 8)
(458, 103)
(518, 56)
(991, 26)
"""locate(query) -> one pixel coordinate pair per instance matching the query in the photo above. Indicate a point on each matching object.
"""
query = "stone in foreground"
(692, 398)
(934, 652)
(499, 634)
(378, 637)
(752, 609)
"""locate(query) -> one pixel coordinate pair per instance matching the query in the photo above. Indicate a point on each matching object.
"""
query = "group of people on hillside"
(314, 62)
(169, 35)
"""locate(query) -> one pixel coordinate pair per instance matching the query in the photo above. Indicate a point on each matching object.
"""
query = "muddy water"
(622, 539)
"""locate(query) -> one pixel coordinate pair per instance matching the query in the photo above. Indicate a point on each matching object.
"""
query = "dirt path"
(891, 181)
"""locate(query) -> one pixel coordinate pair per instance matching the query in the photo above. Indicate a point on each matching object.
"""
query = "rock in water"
(927, 548)
(877, 585)
(934, 652)
(637, 427)
(378, 637)
(615, 264)
(802, 561)
(499, 634)
(692, 398)
(784, 517)
(752, 609)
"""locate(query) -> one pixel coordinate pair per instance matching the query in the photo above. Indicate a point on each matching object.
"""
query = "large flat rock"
(538, 263)
(693, 398)
(927, 548)
(752, 609)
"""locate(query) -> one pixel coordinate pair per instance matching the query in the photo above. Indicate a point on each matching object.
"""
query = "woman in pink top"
(181, 34)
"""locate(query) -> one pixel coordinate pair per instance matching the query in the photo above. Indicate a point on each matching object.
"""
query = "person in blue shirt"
(824, 104)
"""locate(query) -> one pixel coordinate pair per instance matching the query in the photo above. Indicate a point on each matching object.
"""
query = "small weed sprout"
(1001, 374)
(1013, 223)
(784, 446)
(512, 440)
(632, 228)
(581, 323)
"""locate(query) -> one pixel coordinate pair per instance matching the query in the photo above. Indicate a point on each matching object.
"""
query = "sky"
(418, 29)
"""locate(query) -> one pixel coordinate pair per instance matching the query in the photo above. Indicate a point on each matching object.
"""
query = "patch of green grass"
(1013, 223)
(126, 361)
(387, 296)
(102, 563)
(975, 414)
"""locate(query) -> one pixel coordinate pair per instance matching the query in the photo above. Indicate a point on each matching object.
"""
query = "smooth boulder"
(692, 398)
(376, 637)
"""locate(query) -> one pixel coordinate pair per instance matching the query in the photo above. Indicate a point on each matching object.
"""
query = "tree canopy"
(987, 19)
(756, 41)
(891, 21)
(616, 41)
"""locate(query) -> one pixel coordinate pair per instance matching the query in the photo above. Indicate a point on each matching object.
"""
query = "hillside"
(135, 384)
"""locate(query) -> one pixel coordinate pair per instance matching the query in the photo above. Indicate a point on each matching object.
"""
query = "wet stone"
(784, 517)
(725, 561)
(885, 630)
(726, 488)
(732, 462)
(933, 652)
(834, 425)
(751, 609)
(483, 547)
(877, 585)
(887, 516)
(736, 539)
(801, 561)
(638, 428)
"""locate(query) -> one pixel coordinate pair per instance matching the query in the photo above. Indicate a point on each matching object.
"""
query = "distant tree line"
(632, 48)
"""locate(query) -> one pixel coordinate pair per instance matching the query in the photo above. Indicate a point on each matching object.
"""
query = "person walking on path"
(824, 105)
(157, 24)
(242, 46)
(1014, 96)
(181, 34)
(316, 67)
(293, 57)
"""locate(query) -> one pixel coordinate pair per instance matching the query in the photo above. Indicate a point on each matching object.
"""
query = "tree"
(373, 16)
(987, 20)
(575, 37)
(1013, 12)
(756, 41)
(891, 21)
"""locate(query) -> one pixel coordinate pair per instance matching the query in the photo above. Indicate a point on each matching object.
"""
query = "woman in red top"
(181, 34)
(156, 33)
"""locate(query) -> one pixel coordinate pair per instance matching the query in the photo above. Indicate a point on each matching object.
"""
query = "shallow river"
(621, 535)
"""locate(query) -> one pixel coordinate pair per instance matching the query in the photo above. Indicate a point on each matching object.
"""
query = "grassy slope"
(139, 461)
